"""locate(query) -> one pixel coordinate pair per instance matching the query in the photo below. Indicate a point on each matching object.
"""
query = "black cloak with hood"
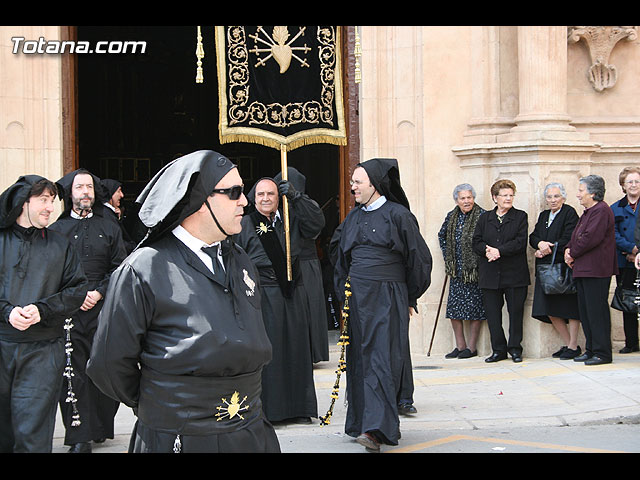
(311, 272)
(37, 267)
(173, 340)
(109, 187)
(386, 258)
(98, 240)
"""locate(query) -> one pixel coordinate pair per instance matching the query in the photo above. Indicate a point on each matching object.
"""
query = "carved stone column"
(542, 83)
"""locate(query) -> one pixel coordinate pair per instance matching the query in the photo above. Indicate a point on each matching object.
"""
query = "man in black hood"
(288, 386)
(180, 337)
(42, 283)
(113, 195)
(97, 237)
(385, 265)
(311, 272)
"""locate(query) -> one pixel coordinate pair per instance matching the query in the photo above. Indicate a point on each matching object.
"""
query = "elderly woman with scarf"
(461, 265)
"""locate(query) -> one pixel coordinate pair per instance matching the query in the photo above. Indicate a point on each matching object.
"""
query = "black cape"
(288, 386)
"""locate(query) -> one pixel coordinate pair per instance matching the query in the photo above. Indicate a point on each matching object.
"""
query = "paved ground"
(469, 405)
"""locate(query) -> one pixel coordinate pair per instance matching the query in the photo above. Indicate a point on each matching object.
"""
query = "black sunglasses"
(232, 192)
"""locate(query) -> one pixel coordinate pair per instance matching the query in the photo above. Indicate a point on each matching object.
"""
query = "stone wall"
(30, 107)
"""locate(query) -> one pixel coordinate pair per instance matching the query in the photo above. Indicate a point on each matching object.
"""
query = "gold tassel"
(342, 364)
(199, 56)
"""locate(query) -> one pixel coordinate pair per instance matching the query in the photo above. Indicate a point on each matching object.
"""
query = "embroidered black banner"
(280, 85)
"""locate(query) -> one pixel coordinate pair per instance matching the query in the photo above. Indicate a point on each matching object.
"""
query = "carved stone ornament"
(601, 41)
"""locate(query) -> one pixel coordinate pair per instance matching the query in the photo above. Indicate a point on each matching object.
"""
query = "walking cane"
(444, 286)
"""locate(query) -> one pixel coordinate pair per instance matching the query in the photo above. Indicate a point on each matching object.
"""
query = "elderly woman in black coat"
(500, 241)
(553, 230)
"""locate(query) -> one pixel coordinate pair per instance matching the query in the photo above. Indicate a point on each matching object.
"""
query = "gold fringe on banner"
(277, 141)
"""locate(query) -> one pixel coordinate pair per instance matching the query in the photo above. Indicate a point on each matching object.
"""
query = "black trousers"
(595, 317)
(493, 301)
(30, 381)
(627, 278)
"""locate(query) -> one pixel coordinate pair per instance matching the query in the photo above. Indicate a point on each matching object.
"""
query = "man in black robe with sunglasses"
(288, 387)
(180, 337)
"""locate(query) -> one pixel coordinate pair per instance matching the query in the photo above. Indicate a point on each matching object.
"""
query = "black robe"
(288, 386)
(98, 241)
(311, 271)
(175, 345)
(389, 266)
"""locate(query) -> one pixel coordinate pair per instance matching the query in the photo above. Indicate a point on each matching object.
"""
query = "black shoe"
(100, 440)
(301, 420)
(406, 409)
(584, 357)
(496, 357)
(369, 441)
(559, 353)
(84, 447)
(570, 354)
(516, 357)
(453, 354)
(466, 353)
(630, 349)
(596, 360)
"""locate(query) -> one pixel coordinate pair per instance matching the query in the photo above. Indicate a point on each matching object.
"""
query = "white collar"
(195, 244)
(107, 204)
(73, 214)
(376, 204)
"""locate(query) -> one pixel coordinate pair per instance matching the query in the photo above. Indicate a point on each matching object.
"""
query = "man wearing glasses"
(180, 336)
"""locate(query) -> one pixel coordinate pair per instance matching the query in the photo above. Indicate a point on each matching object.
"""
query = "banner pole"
(285, 209)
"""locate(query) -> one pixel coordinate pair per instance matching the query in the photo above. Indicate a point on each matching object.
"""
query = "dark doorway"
(137, 112)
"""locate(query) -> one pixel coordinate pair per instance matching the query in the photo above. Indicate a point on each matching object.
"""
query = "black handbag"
(626, 299)
(555, 278)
